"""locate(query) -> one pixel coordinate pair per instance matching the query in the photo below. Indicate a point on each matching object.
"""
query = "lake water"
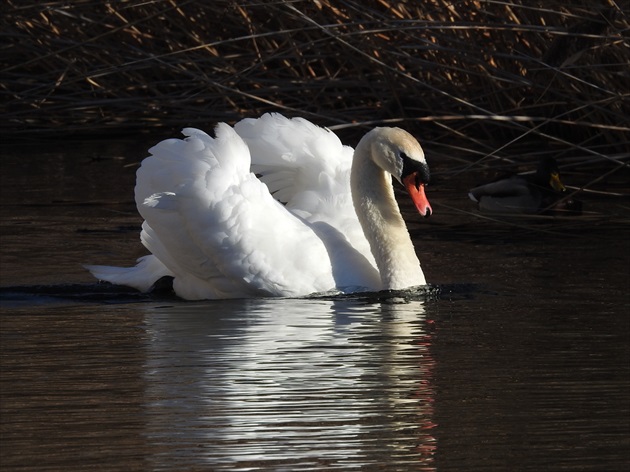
(519, 359)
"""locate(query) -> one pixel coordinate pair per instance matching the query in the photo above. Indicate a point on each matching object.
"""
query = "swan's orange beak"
(416, 192)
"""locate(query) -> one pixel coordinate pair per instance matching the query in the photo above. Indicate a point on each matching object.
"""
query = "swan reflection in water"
(287, 381)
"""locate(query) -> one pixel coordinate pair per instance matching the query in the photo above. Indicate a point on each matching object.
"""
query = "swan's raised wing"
(307, 168)
(217, 227)
(294, 156)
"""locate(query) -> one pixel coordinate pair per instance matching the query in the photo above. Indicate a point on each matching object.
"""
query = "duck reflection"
(310, 383)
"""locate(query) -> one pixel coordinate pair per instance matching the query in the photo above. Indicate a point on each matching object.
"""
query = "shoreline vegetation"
(496, 83)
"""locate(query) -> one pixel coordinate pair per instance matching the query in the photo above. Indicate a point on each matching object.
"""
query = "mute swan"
(301, 215)
(521, 194)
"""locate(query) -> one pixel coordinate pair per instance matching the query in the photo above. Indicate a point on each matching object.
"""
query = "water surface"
(521, 363)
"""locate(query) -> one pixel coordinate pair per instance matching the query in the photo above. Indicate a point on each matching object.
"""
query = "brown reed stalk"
(478, 78)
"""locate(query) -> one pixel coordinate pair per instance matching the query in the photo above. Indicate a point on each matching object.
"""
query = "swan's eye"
(420, 180)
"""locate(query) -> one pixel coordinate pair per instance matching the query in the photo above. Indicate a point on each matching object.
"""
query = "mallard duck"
(276, 207)
(521, 194)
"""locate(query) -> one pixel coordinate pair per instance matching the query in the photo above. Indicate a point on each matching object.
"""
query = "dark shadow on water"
(71, 293)
(106, 293)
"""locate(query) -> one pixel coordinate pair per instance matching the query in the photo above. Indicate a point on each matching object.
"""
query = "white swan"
(301, 215)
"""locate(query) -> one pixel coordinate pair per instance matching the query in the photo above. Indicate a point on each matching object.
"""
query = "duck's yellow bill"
(556, 183)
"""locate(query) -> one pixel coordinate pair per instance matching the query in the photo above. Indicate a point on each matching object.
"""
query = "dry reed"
(479, 79)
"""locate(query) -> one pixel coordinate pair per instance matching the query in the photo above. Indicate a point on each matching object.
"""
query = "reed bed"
(485, 83)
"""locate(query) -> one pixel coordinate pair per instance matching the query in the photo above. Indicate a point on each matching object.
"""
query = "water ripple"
(324, 381)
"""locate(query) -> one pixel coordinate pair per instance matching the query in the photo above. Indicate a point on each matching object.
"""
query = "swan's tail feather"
(142, 276)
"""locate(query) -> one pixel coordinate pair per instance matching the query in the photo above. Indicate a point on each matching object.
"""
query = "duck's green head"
(548, 172)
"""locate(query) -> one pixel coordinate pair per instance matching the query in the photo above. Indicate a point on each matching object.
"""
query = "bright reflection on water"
(322, 383)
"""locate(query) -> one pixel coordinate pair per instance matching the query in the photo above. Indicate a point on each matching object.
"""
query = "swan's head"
(396, 151)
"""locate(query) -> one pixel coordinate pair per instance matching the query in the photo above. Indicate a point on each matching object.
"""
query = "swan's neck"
(382, 223)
